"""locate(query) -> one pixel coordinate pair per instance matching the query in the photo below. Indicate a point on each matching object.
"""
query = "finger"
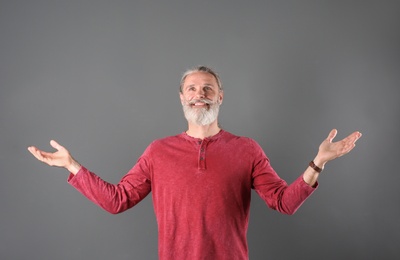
(358, 135)
(353, 137)
(31, 148)
(35, 152)
(56, 145)
(39, 154)
(332, 135)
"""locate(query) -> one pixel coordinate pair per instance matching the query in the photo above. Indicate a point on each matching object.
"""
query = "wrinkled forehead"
(200, 78)
(207, 72)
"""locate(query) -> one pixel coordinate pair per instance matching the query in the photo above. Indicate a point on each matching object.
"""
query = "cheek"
(187, 97)
(184, 99)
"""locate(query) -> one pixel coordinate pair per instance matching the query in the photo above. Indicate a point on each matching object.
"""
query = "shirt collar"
(207, 139)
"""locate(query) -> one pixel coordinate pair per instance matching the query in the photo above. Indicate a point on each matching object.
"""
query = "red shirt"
(201, 193)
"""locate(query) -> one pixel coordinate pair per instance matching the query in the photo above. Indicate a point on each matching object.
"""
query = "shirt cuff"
(72, 176)
(313, 187)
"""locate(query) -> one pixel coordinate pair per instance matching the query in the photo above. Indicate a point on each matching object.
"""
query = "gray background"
(101, 77)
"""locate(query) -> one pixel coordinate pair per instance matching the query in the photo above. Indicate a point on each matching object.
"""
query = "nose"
(200, 93)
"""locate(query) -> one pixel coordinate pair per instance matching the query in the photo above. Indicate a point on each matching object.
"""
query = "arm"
(114, 198)
(288, 198)
(328, 151)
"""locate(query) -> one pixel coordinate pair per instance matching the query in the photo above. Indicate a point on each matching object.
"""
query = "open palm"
(60, 158)
(329, 150)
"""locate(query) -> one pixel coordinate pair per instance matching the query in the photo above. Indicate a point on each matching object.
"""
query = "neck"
(203, 131)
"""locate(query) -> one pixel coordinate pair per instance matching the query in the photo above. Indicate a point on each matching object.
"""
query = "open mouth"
(200, 104)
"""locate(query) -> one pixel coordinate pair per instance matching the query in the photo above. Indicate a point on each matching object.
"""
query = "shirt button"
(201, 158)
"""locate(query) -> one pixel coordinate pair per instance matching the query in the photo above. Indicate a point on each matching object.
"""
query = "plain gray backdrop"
(101, 78)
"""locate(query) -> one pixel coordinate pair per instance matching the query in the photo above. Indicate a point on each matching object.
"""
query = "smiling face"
(201, 97)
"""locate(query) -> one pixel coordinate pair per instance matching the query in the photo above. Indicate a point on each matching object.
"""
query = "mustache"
(205, 101)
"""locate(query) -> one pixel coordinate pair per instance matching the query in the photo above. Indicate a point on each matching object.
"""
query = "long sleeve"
(276, 193)
(115, 198)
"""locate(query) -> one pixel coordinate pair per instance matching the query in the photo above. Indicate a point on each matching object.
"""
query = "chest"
(200, 165)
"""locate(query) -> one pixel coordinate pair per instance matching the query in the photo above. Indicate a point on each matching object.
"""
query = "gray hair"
(200, 69)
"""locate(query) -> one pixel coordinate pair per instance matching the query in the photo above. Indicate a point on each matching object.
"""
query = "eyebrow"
(204, 85)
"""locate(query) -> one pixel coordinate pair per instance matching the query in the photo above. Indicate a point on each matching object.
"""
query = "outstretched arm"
(329, 150)
(60, 158)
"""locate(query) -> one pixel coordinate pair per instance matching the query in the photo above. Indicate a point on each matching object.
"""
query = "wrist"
(315, 167)
(73, 167)
(319, 162)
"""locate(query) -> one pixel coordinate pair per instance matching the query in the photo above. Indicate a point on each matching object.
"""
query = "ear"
(220, 96)
(181, 97)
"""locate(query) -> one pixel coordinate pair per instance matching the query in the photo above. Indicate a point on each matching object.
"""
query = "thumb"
(332, 135)
(56, 145)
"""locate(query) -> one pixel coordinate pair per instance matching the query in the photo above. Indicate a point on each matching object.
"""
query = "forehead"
(200, 78)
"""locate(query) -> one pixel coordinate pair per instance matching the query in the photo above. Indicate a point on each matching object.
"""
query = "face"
(201, 98)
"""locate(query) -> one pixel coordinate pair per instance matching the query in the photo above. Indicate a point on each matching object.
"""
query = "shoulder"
(242, 144)
(165, 142)
(168, 140)
(244, 140)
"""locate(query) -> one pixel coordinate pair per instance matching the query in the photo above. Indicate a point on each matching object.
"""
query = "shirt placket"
(202, 155)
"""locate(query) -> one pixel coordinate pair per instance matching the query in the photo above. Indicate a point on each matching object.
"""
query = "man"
(201, 179)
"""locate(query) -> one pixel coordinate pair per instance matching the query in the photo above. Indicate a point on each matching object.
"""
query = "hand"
(329, 150)
(60, 158)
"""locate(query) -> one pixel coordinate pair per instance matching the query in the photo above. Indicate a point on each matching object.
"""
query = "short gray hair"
(200, 69)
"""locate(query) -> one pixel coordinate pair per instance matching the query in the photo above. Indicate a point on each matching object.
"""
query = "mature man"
(201, 179)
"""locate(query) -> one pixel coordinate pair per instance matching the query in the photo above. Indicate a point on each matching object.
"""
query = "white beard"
(201, 116)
